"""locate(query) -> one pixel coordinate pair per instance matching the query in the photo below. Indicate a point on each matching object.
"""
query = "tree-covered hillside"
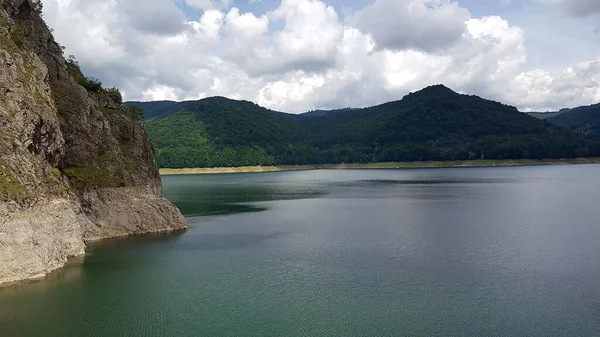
(545, 115)
(182, 141)
(432, 124)
(154, 109)
(584, 120)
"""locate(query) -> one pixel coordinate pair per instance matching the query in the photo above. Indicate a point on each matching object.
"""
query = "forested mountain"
(154, 109)
(321, 113)
(435, 123)
(584, 120)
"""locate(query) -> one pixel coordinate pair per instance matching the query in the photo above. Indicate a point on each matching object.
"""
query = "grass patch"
(55, 175)
(7, 40)
(110, 111)
(89, 176)
(10, 187)
(18, 36)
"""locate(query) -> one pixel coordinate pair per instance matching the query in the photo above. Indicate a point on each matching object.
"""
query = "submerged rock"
(75, 165)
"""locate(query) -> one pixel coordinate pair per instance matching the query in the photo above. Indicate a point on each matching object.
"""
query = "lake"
(431, 252)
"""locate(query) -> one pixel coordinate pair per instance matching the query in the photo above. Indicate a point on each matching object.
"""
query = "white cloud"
(541, 91)
(302, 55)
(160, 17)
(311, 34)
(209, 4)
(427, 25)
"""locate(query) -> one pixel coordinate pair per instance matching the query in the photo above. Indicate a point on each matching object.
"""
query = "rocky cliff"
(75, 164)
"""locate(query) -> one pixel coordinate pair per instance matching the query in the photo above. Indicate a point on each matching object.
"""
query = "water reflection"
(202, 195)
(208, 195)
(203, 208)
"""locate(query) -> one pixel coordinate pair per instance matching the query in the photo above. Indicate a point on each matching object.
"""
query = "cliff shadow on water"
(75, 163)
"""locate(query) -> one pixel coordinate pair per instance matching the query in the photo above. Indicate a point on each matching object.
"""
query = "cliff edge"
(75, 164)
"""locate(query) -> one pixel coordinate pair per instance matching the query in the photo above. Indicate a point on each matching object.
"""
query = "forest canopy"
(432, 124)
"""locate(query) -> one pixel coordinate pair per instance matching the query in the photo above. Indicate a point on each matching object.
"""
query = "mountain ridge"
(584, 120)
(434, 123)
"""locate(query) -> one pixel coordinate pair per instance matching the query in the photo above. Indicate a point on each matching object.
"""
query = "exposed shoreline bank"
(393, 165)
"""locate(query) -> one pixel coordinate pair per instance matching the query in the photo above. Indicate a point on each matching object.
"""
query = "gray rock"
(74, 165)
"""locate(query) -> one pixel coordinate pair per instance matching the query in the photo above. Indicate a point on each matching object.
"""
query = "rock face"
(75, 165)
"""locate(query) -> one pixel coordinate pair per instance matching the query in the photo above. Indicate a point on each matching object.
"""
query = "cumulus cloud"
(308, 40)
(160, 17)
(538, 90)
(303, 55)
(311, 34)
(427, 25)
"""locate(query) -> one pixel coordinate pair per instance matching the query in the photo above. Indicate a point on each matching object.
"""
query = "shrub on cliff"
(115, 95)
(90, 84)
(38, 6)
(135, 112)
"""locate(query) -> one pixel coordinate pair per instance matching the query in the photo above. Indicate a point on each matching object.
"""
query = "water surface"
(432, 252)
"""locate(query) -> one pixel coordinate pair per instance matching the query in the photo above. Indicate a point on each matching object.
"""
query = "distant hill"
(545, 115)
(435, 123)
(153, 109)
(584, 120)
(321, 113)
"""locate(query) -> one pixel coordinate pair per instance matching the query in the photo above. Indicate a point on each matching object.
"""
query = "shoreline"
(389, 165)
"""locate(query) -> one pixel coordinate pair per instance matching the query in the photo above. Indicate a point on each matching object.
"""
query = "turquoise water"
(436, 252)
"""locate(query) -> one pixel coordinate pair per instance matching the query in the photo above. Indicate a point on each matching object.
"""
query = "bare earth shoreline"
(397, 165)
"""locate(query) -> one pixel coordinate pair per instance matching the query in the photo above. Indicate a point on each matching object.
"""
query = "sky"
(300, 55)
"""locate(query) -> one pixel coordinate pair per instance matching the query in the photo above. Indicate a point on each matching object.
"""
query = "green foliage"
(154, 109)
(135, 112)
(434, 124)
(55, 175)
(178, 131)
(72, 61)
(94, 85)
(544, 115)
(115, 95)
(90, 176)
(584, 120)
(90, 84)
(126, 143)
(109, 111)
(181, 141)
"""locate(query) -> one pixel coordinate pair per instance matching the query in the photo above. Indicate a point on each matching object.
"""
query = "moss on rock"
(90, 176)
(55, 175)
(18, 36)
(10, 187)
(110, 111)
